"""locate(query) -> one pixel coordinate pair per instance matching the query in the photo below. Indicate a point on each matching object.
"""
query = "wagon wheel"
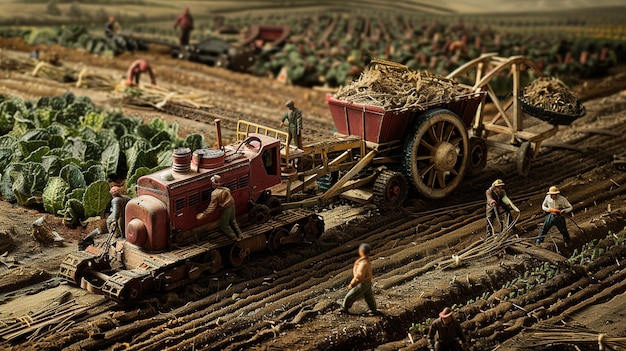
(274, 205)
(258, 214)
(524, 158)
(390, 189)
(477, 156)
(213, 256)
(274, 240)
(436, 154)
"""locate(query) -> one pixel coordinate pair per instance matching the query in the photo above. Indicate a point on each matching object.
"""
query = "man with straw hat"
(498, 202)
(556, 205)
(445, 333)
(360, 286)
(220, 196)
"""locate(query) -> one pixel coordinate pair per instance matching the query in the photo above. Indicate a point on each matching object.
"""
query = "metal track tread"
(155, 261)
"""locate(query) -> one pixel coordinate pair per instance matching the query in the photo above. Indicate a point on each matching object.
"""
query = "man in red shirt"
(185, 22)
(136, 69)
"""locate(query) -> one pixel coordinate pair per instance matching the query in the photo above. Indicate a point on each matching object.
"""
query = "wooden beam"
(335, 189)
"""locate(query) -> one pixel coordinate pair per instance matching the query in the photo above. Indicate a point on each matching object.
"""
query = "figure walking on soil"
(445, 333)
(361, 285)
(497, 202)
(556, 206)
(294, 118)
(220, 196)
(136, 69)
(185, 22)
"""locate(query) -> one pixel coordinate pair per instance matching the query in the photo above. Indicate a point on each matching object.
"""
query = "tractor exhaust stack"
(218, 132)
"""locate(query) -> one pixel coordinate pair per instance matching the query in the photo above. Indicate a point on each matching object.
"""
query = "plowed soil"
(289, 300)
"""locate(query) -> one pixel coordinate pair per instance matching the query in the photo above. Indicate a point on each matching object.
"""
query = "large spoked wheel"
(477, 156)
(436, 153)
(390, 189)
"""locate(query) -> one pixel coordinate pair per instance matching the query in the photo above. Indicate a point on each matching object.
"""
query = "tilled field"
(288, 300)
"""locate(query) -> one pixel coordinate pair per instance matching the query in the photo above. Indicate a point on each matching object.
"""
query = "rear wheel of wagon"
(390, 189)
(436, 153)
(477, 156)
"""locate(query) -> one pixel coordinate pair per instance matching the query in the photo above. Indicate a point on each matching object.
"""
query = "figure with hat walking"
(220, 196)
(556, 205)
(360, 286)
(294, 118)
(497, 202)
(445, 333)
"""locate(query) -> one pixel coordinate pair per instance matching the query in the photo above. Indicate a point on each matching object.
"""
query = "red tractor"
(166, 247)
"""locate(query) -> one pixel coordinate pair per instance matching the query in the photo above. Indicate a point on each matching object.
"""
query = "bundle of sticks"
(392, 87)
(40, 69)
(542, 336)
(55, 317)
(484, 248)
(158, 97)
(58, 73)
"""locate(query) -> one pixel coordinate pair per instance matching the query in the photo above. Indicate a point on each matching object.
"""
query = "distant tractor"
(215, 51)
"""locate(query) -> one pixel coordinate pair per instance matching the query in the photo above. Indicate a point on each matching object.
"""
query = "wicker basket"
(550, 116)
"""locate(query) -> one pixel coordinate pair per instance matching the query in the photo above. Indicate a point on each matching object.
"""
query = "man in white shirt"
(556, 206)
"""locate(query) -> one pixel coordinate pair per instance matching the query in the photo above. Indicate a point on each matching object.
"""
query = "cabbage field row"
(326, 48)
(63, 152)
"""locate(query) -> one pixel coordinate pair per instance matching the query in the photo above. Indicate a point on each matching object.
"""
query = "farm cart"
(511, 110)
(382, 148)
(377, 151)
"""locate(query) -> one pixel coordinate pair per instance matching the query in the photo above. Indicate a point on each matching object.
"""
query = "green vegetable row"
(62, 151)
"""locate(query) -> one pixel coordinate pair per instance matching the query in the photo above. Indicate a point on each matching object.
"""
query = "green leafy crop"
(62, 151)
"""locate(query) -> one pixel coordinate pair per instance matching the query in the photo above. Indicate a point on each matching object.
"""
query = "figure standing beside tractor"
(294, 121)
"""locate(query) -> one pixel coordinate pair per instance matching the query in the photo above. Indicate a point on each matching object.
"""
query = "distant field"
(34, 12)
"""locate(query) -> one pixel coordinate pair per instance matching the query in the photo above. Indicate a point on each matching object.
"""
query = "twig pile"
(551, 94)
(56, 317)
(93, 80)
(483, 248)
(543, 335)
(38, 69)
(397, 88)
(159, 98)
